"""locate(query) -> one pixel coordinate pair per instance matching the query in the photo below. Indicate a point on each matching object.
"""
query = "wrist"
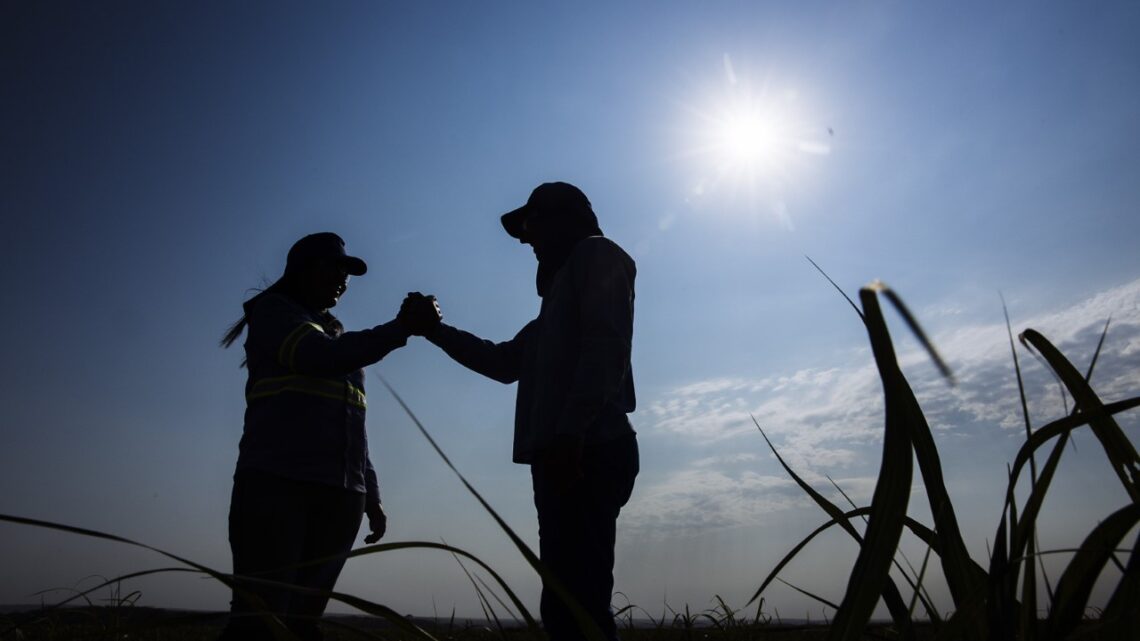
(432, 332)
(402, 325)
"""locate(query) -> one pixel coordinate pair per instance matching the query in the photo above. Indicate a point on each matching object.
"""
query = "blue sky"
(157, 160)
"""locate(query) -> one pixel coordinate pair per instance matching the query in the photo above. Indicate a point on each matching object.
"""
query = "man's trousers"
(577, 528)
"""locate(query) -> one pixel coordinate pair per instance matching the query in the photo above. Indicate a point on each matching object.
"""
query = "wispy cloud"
(830, 420)
(720, 492)
(696, 499)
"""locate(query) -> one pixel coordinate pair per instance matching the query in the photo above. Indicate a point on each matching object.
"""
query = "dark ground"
(144, 624)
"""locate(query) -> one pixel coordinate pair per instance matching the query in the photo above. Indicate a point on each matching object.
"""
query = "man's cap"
(325, 246)
(551, 197)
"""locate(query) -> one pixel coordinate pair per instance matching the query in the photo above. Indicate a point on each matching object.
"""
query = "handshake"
(419, 314)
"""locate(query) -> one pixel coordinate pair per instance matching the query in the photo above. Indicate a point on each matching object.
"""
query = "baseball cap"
(552, 197)
(323, 246)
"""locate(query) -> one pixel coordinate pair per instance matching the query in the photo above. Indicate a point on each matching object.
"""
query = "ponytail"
(332, 325)
(235, 331)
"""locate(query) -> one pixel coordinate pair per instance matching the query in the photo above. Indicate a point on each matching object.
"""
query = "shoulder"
(273, 307)
(601, 251)
(269, 302)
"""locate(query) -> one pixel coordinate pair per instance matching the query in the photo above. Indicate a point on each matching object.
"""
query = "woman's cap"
(325, 246)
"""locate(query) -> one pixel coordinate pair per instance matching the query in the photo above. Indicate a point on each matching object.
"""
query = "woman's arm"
(373, 509)
(279, 329)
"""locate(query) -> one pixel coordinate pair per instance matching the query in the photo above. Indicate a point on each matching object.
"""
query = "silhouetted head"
(554, 213)
(555, 217)
(318, 268)
(316, 276)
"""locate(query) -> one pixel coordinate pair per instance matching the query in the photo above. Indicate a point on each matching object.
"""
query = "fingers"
(420, 313)
(377, 523)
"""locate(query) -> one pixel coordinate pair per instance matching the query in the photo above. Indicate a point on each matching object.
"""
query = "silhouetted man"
(575, 389)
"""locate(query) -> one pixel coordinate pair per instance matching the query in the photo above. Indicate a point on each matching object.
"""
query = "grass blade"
(1121, 617)
(963, 622)
(915, 587)
(515, 600)
(489, 613)
(891, 595)
(892, 489)
(810, 595)
(1020, 387)
(837, 288)
(108, 582)
(397, 620)
(585, 623)
(1028, 623)
(1064, 425)
(963, 575)
(1000, 605)
(1077, 582)
(1121, 454)
(915, 328)
(921, 531)
(1096, 352)
(920, 591)
(1025, 529)
(361, 604)
(279, 630)
(105, 583)
(1049, 593)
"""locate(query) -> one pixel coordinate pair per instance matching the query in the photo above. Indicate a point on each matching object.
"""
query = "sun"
(747, 137)
(757, 137)
(756, 140)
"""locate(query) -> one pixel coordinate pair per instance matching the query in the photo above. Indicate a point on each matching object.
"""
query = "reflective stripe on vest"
(323, 387)
(288, 350)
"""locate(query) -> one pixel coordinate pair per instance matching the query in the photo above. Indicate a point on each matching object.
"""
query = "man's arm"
(499, 361)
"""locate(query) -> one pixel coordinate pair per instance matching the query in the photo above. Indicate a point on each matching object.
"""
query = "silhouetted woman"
(303, 479)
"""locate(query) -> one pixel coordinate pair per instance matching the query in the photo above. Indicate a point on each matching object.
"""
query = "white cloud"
(842, 404)
(987, 387)
(696, 499)
(721, 461)
(830, 420)
(708, 496)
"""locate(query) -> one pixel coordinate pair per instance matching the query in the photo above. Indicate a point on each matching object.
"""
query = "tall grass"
(986, 601)
(400, 623)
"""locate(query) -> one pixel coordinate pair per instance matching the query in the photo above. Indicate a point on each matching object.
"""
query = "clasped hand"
(420, 314)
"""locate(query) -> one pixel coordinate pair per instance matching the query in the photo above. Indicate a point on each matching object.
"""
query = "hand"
(419, 314)
(377, 521)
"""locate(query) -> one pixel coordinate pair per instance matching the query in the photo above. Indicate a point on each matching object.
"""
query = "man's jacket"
(305, 404)
(572, 363)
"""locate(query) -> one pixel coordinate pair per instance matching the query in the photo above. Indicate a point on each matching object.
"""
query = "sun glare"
(749, 138)
(754, 140)
(757, 138)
